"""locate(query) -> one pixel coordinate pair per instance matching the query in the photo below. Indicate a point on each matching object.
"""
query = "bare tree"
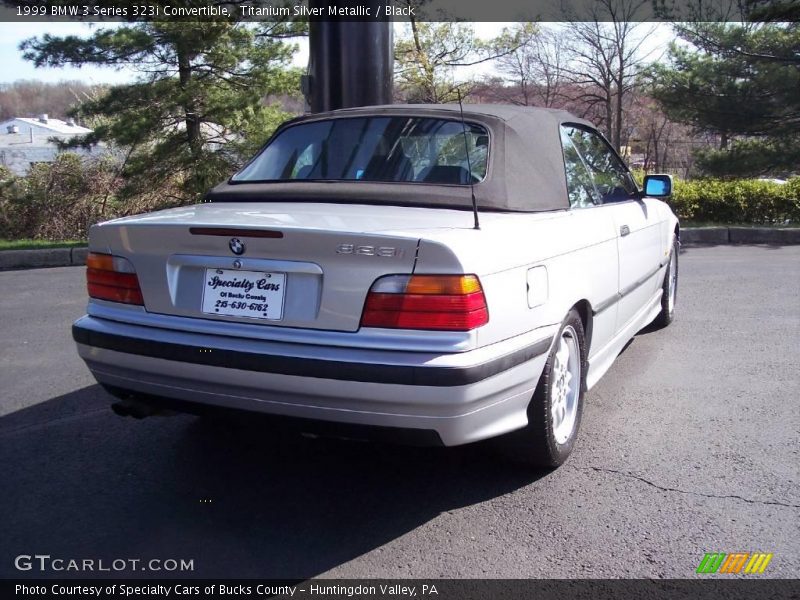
(427, 54)
(606, 60)
(537, 69)
(30, 98)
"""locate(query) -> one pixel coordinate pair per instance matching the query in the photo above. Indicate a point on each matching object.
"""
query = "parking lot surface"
(688, 445)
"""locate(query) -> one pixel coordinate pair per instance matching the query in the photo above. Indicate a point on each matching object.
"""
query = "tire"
(669, 289)
(553, 424)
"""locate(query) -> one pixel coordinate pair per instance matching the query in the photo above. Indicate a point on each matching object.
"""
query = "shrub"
(61, 200)
(743, 201)
(56, 201)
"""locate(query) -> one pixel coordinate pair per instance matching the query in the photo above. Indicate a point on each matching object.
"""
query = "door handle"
(624, 230)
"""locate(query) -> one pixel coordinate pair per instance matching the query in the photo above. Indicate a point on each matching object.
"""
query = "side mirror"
(657, 186)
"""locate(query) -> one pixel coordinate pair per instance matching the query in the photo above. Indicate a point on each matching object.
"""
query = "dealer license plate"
(250, 294)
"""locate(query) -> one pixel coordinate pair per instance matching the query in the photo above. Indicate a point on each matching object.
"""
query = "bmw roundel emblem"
(236, 246)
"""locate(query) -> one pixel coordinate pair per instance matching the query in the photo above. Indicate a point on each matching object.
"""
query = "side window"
(612, 179)
(580, 187)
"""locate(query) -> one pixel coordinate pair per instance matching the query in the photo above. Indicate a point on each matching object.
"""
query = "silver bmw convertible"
(417, 272)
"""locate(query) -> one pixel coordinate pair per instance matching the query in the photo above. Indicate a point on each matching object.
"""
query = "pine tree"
(741, 82)
(200, 86)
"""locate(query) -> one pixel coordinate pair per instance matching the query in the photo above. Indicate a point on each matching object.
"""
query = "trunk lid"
(301, 265)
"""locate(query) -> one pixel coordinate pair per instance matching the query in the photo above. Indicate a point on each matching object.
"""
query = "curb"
(66, 257)
(48, 257)
(741, 235)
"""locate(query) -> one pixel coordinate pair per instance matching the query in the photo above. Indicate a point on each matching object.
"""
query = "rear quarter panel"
(577, 249)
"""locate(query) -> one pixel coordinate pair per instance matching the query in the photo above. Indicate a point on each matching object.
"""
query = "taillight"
(112, 278)
(442, 302)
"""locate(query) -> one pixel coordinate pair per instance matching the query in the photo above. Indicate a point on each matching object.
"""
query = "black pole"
(351, 63)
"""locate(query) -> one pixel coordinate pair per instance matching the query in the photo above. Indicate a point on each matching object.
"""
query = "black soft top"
(525, 171)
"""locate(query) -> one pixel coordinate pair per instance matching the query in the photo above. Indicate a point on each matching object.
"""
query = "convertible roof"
(525, 171)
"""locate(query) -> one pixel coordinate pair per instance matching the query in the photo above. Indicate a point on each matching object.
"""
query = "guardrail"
(45, 257)
(775, 236)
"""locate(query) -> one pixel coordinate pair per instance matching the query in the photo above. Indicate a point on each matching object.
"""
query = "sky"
(13, 66)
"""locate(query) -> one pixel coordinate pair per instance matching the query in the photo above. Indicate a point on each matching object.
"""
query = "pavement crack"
(687, 492)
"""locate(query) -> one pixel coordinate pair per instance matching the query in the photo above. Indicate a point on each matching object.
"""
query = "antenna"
(469, 162)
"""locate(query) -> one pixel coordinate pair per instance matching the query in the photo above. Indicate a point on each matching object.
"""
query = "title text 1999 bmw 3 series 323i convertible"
(339, 277)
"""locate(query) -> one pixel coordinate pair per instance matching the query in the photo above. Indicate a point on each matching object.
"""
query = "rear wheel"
(554, 414)
(669, 289)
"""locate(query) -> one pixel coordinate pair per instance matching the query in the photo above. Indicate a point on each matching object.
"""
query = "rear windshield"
(389, 149)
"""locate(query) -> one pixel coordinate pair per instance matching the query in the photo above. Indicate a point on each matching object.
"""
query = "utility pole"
(351, 62)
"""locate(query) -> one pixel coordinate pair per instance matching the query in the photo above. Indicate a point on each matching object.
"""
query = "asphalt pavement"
(688, 445)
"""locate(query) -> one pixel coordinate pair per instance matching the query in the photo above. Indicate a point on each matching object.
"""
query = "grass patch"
(38, 244)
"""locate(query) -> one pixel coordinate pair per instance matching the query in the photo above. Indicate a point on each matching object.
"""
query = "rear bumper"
(462, 397)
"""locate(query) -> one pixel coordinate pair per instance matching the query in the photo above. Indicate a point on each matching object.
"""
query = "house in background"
(24, 141)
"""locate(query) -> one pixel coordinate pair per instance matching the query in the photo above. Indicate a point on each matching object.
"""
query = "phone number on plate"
(235, 305)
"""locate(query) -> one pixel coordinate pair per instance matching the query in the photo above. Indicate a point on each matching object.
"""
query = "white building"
(24, 142)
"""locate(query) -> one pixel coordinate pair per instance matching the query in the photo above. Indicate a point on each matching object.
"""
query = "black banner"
(35, 11)
(399, 589)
